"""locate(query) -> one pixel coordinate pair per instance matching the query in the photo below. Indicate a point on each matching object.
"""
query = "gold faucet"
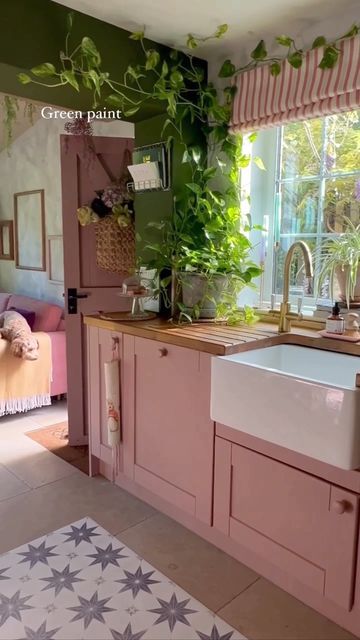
(285, 314)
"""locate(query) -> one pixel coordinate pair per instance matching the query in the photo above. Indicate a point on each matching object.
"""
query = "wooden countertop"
(220, 339)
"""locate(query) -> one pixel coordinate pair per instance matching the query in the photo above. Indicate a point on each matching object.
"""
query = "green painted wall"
(33, 31)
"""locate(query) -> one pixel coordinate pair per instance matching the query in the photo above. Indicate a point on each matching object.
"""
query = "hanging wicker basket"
(115, 246)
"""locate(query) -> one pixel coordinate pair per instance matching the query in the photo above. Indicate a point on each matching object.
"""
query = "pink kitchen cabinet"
(168, 433)
(303, 525)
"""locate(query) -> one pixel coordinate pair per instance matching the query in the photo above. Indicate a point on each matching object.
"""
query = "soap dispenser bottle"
(335, 322)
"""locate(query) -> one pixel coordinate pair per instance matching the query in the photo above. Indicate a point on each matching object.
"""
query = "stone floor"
(39, 492)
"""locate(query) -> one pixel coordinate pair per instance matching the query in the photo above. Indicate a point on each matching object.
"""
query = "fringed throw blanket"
(25, 384)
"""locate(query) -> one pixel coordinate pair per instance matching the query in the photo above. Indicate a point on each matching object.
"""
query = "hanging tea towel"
(112, 394)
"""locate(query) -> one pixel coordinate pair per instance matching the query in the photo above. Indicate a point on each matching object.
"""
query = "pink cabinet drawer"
(294, 520)
(169, 444)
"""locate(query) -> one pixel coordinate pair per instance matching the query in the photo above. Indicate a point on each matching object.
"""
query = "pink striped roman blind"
(263, 100)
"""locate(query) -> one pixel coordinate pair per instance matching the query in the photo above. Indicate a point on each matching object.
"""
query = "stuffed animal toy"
(15, 329)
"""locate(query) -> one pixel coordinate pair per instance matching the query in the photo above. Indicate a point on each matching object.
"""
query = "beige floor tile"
(10, 485)
(26, 517)
(265, 612)
(207, 573)
(32, 463)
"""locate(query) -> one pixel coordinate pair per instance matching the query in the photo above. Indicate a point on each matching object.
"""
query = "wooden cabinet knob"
(339, 506)
(163, 352)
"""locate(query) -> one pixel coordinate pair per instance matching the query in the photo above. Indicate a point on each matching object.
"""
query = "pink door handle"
(339, 506)
(163, 352)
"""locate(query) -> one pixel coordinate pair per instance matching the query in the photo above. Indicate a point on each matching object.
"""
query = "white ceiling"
(169, 21)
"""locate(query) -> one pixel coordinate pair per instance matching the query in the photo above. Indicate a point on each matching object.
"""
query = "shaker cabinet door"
(169, 436)
(296, 521)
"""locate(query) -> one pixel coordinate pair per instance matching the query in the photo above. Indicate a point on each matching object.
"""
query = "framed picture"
(55, 259)
(29, 220)
(6, 240)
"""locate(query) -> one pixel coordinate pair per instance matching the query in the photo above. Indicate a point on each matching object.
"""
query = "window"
(316, 171)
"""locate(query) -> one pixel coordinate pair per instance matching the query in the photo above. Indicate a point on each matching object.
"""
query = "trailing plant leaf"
(137, 35)
(44, 70)
(259, 163)
(284, 41)
(24, 78)
(89, 49)
(70, 21)
(296, 59)
(227, 69)
(260, 52)
(221, 30)
(191, 42)
(275, 68)
(320, 41)
(330, 57)
(69, 77)
(352, 32)
(131, 112)
(153, 59)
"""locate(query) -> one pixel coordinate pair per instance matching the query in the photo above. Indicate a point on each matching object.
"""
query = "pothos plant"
(206, 233)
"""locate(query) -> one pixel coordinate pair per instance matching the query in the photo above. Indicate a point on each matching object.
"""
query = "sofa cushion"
(4, 299)
(47, 316)
(28, 315)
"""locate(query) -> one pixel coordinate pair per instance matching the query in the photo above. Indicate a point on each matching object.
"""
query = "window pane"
(342, 198)
(297, 277)
(343, 142)
(299, 207)
(301, 149)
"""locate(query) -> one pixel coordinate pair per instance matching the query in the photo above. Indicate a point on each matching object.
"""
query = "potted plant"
(205, 245)
(339, 259)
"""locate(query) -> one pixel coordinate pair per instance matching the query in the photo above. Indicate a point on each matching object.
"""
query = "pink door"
(82, 174)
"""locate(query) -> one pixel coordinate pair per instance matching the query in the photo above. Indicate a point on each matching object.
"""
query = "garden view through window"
(317, 184)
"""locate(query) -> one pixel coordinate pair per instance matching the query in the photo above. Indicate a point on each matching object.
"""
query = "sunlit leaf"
(24, 78)
(191, 42)
(259, 163)
(44, 70)
(285, 41)
(137, 35)
(221, 30)
(152, 59)
(69, 77)
(88, 47)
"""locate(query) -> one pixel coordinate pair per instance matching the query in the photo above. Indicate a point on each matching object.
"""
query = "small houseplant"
(339, 259)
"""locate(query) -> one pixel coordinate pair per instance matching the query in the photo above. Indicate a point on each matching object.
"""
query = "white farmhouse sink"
(299, 398)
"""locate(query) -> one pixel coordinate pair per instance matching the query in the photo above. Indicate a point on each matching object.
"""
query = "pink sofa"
(48, 318)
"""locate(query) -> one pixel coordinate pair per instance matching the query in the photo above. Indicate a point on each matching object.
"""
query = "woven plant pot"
(115, 246)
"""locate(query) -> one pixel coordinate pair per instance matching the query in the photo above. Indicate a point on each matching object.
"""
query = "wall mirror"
(6, 240)
(29, 219)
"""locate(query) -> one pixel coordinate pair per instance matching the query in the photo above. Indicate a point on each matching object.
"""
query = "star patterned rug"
(82, 582)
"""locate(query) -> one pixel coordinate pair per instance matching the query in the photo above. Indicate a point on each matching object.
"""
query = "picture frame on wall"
(29, 230)
(55, 259)
(6, 240)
